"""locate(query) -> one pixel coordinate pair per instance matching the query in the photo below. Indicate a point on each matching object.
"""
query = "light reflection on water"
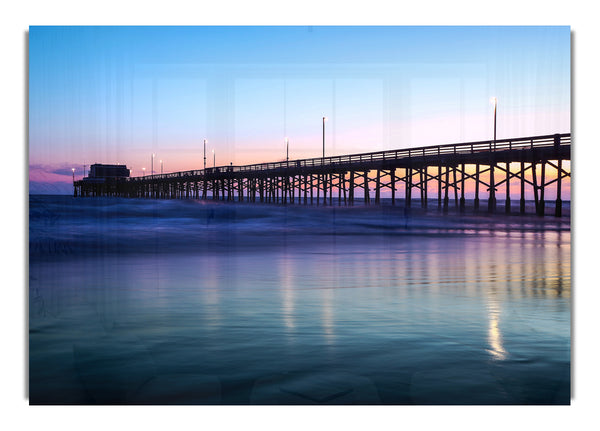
(495, 336)
(375, 319)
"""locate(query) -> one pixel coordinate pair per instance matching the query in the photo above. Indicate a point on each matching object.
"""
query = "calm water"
(140, 301)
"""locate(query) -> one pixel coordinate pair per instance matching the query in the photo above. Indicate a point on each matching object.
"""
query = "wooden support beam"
(476, 201)
(522, 201)
(492, 191)
(393, 180)
(408, 193)
(542, 190)
(507, 181)
(462, 188)
(425, 191)
(422, 196)
(378, 186)
(330, 188)
(535, 187)
(261, 190)
(558, 208)
(455, 186)
(366, 187)
(351, 191)
(339, 189)
(305, 189)
(439, 185)
(446, 189)
(318, 188)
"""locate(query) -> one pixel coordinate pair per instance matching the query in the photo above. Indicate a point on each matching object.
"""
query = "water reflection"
(286, 277)
(327, 316)
(381, 310)
(496, 348)
(209, 282)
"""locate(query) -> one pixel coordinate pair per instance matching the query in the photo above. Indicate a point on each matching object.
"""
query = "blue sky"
(119, 94)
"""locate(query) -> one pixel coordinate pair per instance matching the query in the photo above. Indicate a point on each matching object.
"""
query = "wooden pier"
(411, 173)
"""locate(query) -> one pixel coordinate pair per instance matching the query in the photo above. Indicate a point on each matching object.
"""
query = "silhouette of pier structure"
(491, 168)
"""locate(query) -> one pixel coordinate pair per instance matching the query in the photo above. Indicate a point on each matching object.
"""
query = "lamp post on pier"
(143, 172)
(492, 195)
(205, 154)
(152, 167)
(161, 167)
(324, 120)
(214, 159)
(495, 101)
(287, 150)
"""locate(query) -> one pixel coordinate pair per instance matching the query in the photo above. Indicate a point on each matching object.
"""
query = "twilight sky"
(119, 94)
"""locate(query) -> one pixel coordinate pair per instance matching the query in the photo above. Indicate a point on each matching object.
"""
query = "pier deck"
(489, 167)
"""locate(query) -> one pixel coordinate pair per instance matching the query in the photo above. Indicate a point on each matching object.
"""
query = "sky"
(121, 94)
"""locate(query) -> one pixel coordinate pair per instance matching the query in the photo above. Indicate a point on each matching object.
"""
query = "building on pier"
(101, 180)
(100, 171)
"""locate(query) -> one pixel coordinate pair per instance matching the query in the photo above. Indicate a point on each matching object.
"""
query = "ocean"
(140, 301)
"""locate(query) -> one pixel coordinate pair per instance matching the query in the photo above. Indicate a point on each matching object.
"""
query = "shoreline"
(69, 227)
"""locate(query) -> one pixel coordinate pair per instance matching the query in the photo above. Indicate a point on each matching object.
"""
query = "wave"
(63, 225)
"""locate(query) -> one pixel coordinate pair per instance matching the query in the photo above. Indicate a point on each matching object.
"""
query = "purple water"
(136, 301)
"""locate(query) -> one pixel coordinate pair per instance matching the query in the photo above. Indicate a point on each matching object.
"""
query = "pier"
(491, 168)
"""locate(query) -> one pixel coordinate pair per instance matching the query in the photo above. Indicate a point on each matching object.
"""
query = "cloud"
(52, 179)
(65, 170)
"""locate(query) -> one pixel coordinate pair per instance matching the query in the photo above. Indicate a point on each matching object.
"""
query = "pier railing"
(537, 142)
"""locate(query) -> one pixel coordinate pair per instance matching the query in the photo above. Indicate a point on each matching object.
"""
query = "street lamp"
(492, 197)
(73, 169)
(143, 172)
(214, 159)
(495, 102)
(324, 119)
(152, 169)
(161, 167)
(205, 154)
(287, 149)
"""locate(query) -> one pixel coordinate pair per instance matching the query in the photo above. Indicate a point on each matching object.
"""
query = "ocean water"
(139, 301)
